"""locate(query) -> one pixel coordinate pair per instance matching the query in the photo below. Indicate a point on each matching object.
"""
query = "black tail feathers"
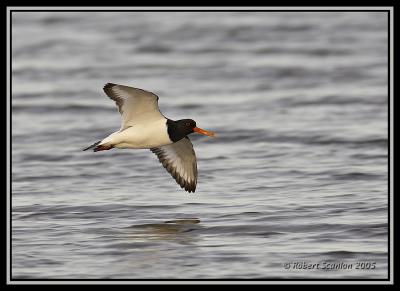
(93, 146)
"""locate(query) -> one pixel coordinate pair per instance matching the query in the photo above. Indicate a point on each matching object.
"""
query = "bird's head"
(180, 128)
(189, 126)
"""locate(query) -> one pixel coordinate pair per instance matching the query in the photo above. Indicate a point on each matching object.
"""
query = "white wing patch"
(136, 106)
(179, 159)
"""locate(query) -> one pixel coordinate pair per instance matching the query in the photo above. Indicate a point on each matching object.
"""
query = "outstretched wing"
(136, 106)
(179, 159)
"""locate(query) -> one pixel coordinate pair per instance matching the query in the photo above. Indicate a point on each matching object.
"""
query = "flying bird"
(143, 126)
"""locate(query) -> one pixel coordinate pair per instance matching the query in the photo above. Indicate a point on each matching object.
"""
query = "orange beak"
(205, 132)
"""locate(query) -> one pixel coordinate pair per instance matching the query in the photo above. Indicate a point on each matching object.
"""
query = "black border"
(279, 279)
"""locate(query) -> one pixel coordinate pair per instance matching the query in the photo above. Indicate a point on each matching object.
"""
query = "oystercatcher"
(145, 127)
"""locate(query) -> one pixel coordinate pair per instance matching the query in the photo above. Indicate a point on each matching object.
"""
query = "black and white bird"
(145, 127)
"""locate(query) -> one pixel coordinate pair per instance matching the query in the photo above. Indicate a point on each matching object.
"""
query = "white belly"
(141, 136)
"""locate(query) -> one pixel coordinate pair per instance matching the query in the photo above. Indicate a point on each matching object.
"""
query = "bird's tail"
(93, 146)
(99, 147)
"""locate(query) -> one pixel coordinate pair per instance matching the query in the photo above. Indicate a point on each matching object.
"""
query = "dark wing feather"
(179, 159)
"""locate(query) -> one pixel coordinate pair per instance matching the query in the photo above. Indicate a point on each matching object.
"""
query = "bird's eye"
(187, 124)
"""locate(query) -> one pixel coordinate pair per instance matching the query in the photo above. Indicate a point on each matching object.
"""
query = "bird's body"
(140, 136)
(145, 127)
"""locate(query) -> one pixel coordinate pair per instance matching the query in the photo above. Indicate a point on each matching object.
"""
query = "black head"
(180, 128)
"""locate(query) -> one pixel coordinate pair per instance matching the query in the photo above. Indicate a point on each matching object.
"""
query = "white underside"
(140, 136)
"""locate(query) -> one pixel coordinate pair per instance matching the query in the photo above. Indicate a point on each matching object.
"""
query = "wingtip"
(109, 86)
(191, 188)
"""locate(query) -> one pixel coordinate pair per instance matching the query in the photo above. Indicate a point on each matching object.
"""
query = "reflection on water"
(178, 230)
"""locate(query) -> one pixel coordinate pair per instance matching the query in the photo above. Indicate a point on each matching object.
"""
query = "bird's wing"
(179, 159)
(136, 106)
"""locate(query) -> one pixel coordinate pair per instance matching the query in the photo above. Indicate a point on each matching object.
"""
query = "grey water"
(298, 172)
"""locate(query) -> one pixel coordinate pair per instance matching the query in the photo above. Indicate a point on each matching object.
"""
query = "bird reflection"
(181, 230)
